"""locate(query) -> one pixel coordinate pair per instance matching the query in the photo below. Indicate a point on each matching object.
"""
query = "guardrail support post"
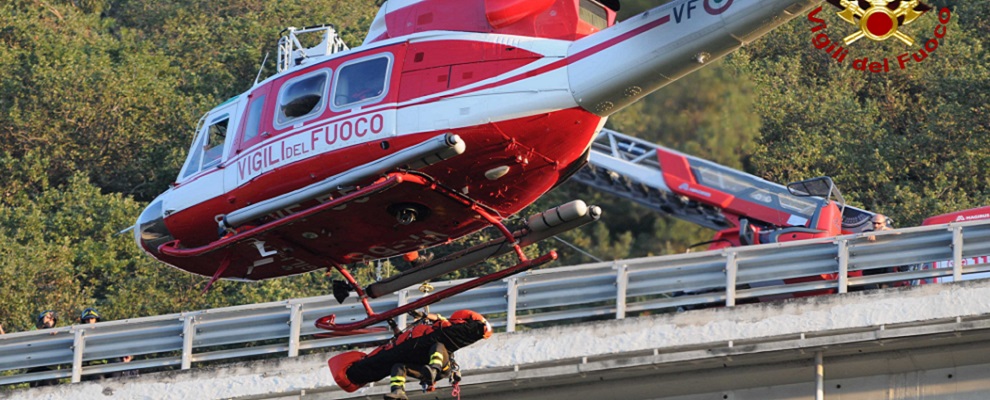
(511, 296)
(843, 266)
(957, 248)
(731, 269)
(401, 321)
(621, 285)
(78, 346)
(819, 376)
(295, 328)
(188, 332)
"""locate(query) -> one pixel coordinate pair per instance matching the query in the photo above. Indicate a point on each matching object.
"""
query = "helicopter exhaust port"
(407, 213)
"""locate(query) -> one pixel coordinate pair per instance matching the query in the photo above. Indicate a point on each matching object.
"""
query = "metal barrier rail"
(553, 295)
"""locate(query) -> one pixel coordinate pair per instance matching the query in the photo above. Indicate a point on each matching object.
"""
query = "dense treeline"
(98, 100)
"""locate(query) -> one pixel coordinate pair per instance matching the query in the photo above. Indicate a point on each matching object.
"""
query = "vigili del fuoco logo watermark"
(878, 20)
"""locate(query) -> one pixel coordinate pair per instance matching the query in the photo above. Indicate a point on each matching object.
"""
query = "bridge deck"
(929, 341)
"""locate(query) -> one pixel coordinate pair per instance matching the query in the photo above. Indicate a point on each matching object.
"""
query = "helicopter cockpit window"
(208, 146)
(361, 82)
(213, 148)
(302, 97)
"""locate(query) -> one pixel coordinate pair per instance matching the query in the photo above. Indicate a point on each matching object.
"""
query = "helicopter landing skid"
(329, 322)
(466, 258)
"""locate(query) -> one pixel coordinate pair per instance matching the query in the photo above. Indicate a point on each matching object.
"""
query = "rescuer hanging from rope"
(424, 352)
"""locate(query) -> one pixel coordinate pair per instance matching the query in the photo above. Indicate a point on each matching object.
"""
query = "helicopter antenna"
(261, 69)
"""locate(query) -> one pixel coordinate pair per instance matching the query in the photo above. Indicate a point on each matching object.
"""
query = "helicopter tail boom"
(611, 69)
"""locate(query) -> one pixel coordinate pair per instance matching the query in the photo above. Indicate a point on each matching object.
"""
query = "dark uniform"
(424, 352)
(48, 319)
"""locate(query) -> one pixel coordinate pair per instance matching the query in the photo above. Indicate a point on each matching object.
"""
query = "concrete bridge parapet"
(929, 341)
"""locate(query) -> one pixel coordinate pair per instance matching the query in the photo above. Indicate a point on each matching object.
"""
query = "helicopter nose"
(150, 230)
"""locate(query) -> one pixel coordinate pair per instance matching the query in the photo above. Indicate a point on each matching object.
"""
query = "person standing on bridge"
(46, 320)
(90, 316)
(879, 224)
(424, 352)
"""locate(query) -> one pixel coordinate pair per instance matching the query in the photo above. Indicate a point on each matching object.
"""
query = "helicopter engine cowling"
(500, 13)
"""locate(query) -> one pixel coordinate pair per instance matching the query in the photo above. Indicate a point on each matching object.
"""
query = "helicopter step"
(428, 152)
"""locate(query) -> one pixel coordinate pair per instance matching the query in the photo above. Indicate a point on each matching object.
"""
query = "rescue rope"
(456, 392)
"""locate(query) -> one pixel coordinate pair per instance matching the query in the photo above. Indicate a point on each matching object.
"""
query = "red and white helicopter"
(451, 116)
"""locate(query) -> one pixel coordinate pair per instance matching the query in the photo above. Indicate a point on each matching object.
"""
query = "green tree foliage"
(89, 96)
(219, 45)
(97, 83)
(63, 251)
(910, 143)
(98, 100)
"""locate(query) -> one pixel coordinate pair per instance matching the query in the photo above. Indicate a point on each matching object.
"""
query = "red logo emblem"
(881, 20)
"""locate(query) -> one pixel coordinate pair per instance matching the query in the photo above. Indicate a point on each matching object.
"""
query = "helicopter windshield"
(207, 148)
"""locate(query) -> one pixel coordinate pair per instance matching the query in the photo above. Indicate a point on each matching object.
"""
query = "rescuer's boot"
(428, 378)
(397, 385)
(397, 394)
